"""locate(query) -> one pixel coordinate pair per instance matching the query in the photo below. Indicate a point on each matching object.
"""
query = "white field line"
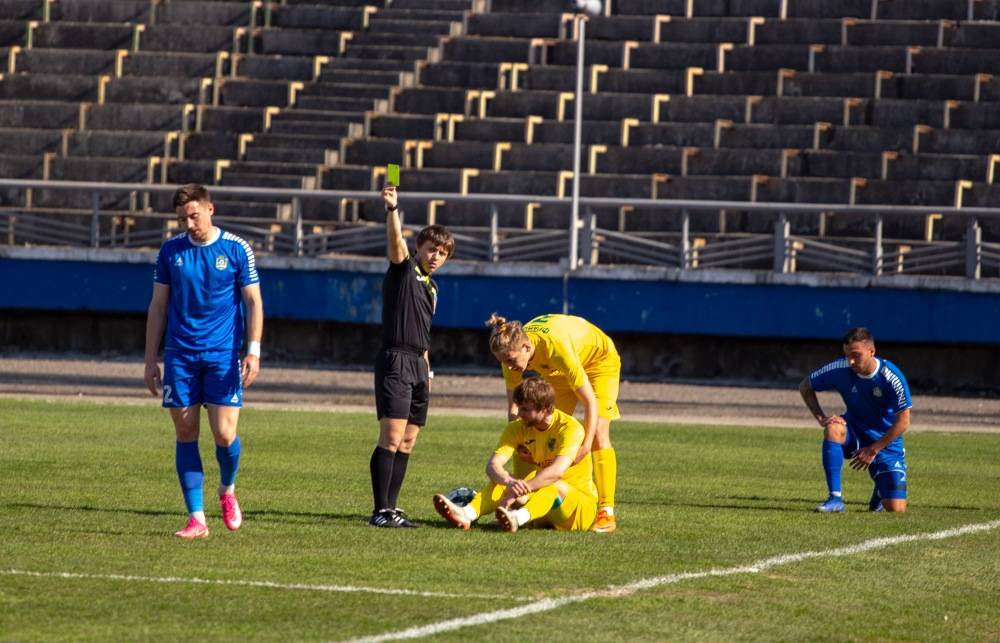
(619, 591)
(247, 583)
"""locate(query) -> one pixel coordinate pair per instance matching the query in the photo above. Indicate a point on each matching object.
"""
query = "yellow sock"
(540, 502)
(486, 500)
(605, 476)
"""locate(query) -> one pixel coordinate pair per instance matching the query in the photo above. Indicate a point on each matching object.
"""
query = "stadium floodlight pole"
(580, 21)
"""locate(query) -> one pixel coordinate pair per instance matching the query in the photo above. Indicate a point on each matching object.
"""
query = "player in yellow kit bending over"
(582, 364)
(555, 492)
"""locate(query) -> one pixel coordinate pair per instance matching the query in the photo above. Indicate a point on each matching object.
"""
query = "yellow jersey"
(569, 350)
(563, 437)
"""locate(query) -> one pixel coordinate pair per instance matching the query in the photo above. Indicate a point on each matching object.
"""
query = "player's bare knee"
(835, 433)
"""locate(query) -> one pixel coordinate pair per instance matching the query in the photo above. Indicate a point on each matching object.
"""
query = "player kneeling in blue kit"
(202, 282)
(870, 432)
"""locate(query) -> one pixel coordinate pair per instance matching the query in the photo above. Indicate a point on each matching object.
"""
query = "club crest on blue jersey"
(877, 392)
(221, 262)
(179, 261)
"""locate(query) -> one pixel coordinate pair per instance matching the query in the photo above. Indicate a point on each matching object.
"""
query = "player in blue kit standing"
(204, 279)
(870, 432)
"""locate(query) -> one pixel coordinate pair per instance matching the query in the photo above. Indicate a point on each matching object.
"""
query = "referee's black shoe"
(404, 519)
(385, 518)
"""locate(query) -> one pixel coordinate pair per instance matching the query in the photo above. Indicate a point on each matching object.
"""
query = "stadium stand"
(883, 102)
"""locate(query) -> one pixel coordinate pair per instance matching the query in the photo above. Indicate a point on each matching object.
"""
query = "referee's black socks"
(381, 467)
(396, 481)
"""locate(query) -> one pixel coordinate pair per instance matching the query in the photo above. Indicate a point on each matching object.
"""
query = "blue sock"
(229, 462)
(833, 463)
(191, 475)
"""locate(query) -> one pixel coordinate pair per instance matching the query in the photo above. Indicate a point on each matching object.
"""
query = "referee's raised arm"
(395, 245)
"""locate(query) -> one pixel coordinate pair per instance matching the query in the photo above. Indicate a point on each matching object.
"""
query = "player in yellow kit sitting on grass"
(581, 363)
(555, 492)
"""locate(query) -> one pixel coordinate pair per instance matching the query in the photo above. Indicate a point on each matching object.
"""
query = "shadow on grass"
(258, 516)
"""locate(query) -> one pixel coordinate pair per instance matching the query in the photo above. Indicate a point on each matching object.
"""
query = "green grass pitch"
(89, 501)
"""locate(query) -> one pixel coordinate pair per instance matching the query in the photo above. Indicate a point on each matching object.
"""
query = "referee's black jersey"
(409, 297)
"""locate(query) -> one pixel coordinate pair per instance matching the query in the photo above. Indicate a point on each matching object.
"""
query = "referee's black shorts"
(401, 386)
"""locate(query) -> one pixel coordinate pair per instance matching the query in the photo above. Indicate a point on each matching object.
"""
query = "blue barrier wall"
(467, 297)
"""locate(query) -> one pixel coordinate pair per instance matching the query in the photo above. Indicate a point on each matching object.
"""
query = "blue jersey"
(872, 402)
(205, 309)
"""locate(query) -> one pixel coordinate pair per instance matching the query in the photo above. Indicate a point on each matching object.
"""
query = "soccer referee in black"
(402, 367)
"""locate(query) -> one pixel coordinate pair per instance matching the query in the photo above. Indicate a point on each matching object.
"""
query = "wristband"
(253, 348)
(392, 209)
(430, 375)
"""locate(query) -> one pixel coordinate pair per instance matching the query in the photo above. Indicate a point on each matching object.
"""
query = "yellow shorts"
(604, 379)
(576, 512)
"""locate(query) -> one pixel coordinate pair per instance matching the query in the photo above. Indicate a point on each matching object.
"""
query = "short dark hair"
(439, 236)
(191, 192)
(536, 393)
(859, 334)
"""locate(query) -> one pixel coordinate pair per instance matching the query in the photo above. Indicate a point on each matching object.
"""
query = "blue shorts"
(888, 470)
(204, 377)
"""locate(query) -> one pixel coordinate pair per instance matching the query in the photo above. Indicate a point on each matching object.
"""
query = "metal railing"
(676, 243)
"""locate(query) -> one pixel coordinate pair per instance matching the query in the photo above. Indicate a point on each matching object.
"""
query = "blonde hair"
(504, 335)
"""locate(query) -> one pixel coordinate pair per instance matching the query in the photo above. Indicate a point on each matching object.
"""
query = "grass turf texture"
(92, 490)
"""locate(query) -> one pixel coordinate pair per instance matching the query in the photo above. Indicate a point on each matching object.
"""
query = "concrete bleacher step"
(469, 75)
(402, 126)
(181, 172)
(182, 38)
(360, 77)
(63, 87)
(375, 39)
(317, 16)
(22, 113)
(232, 119)
(256, 153)
(373, 152)
(272, 139)
(123, 116)
(21, 9)
(358, 177)
(83, 35)
(376, 52)
(437, 27)
(264, 180)
(298, 42)
(275, 67)
(254, 93)
(310, 130)
(236, 207)
(210, 146)
(109, 144)
(21, 166)
(495, 129)
(515, 25)
(30, 141)
(954, 141)
(67, 62)
(430, 100)
(203, 13)
(356, 63)
(185, 64)
(937, 10)
(489, 50)
(345, 104)
(396, 14)
(98, 11)
(154, 90)
(345, 90)
(13, 32)
(432, 5)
